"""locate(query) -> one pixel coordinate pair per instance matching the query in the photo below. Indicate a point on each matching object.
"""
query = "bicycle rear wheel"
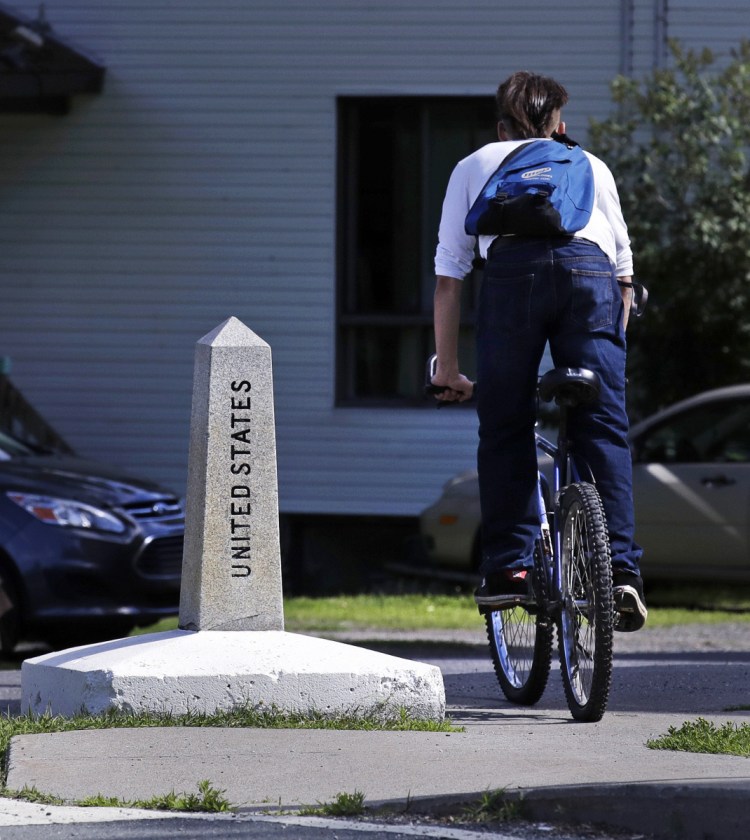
(521, 649)
(587, 617)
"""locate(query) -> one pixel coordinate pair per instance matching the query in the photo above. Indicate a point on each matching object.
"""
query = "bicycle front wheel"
(587, 617)
(521, 649)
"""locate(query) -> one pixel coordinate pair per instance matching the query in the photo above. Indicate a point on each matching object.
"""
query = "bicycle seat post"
(567, 387)
(563, 444)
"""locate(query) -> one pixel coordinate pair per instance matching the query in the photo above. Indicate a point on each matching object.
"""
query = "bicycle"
(571, 577)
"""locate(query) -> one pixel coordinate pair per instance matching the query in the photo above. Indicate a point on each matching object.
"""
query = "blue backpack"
(543, 188)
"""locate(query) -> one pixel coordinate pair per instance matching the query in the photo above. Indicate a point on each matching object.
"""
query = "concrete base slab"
(207, 671)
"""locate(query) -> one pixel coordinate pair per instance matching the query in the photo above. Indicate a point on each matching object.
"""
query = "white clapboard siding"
(725, 22)
(201, 184)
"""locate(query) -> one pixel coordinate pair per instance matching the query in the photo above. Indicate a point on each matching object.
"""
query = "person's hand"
(457, 387)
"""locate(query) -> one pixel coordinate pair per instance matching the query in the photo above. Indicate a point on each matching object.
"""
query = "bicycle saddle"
(569, 386)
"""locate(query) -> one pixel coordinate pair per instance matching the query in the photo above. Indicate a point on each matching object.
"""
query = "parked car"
(85, 552)
(691, 486)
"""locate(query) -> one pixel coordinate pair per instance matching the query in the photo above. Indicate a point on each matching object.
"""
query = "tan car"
(691, 485)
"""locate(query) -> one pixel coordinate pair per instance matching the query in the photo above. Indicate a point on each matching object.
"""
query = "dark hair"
(526, 103)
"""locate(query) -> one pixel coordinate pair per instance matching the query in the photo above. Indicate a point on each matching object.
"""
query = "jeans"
(563, 291)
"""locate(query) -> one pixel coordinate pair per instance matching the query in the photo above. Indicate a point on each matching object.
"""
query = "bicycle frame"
(565, 472)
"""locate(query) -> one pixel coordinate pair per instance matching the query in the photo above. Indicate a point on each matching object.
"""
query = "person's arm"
(447, 321)
(627, 298)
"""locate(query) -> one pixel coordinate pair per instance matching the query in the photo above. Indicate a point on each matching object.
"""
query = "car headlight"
(68, 513)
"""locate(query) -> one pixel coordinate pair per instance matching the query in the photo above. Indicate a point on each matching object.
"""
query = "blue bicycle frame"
(565, 471)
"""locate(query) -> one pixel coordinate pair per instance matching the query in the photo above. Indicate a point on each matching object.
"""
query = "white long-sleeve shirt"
(455, 250)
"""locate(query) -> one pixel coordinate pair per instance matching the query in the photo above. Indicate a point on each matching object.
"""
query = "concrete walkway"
(601, 772)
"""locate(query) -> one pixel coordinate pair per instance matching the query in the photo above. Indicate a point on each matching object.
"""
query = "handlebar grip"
(431, 390)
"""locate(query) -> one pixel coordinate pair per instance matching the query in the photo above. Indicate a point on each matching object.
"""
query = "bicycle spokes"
(517, 648)
(521, 648)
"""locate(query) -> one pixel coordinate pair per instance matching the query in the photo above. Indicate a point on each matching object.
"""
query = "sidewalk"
(583, 772)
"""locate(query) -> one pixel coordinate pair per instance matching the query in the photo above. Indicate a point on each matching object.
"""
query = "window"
(717, 432)
(395, 157)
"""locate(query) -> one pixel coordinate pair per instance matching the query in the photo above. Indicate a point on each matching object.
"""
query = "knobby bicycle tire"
(521, 649)
(586, 624)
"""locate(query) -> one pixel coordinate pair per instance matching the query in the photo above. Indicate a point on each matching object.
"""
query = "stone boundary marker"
(231, 650)
(231, 568)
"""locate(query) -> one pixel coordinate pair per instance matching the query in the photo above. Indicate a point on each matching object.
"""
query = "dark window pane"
(396, 155)
(384, 366)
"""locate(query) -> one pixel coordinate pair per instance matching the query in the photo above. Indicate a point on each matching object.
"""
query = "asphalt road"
(259, 828)
(691, 669)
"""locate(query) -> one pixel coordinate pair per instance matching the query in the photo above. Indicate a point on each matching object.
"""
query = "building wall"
(719, 26)
(201, 184)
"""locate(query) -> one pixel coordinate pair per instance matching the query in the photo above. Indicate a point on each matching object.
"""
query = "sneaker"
(504, 589)
(630, 605)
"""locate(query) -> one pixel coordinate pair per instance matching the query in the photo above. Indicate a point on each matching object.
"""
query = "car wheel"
(10, 615)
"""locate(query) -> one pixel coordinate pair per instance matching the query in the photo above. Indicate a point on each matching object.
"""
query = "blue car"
(86, 553)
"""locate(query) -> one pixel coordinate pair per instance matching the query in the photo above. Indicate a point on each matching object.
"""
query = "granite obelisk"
(231, 569)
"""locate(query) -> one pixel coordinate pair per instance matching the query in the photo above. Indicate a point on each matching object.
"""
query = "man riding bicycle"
(571, 290)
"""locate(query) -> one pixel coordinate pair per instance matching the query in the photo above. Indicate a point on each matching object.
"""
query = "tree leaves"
(678, 145)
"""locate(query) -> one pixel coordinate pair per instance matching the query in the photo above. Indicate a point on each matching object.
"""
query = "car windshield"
(10, 447)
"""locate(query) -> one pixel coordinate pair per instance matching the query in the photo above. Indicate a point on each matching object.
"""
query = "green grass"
(159, 627)
(458, 612)
(386, 612)
(674, 616)
(31, 794)
(701, 736)
(493, 806)
(344, 805)
(703, 597)
(207, 800)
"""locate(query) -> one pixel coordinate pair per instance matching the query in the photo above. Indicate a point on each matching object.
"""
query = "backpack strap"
(563, 138)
